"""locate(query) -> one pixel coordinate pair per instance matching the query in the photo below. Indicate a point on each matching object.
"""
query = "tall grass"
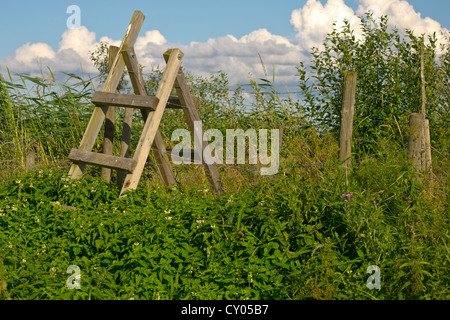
(41, 115)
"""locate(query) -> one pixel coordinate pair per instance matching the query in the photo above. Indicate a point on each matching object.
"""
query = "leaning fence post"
(415, 141)
(347, 112)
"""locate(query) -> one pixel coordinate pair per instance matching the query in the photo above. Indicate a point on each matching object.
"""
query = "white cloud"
(29, 52)
(401, 14)
(236, 56)
(312, 22)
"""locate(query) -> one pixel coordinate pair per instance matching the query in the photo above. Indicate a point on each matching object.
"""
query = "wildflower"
(23, 260)
(10, 245)
(168, 218)
(348, 196)
(167, 211)
(18, 181)
(136, 244)
(14, 208)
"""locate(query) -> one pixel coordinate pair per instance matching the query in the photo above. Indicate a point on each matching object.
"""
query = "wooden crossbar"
(124, 100)
(132, 101)
(103, 160)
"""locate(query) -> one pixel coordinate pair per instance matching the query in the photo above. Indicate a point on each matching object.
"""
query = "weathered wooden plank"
(125, 142)
(164, 168)
(191, 115)
(101, 159)
(111, 83)
(124, 100)
(151, 126)
(110, 122)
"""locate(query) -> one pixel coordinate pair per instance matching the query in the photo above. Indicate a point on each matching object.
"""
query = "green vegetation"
(308, 232)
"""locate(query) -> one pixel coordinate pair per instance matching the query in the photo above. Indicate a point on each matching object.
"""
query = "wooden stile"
(129, 170)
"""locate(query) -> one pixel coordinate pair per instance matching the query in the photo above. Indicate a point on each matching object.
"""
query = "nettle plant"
(387, 61)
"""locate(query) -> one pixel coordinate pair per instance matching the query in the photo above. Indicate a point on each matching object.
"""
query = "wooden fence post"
(30, 161)
(416, 140)
(427, 163)
(347, 112)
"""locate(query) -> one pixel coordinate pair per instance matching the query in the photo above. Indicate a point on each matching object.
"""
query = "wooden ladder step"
(103, 160)
(132, 101)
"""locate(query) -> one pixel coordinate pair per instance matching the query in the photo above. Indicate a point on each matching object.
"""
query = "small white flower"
(14, 208)
(18, 181)
(167, 211)
(23, 260)
(169, 218)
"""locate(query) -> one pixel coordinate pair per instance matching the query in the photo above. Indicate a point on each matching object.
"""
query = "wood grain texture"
(101, 159)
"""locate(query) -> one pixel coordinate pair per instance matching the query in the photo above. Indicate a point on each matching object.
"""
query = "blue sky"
(183, 22)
